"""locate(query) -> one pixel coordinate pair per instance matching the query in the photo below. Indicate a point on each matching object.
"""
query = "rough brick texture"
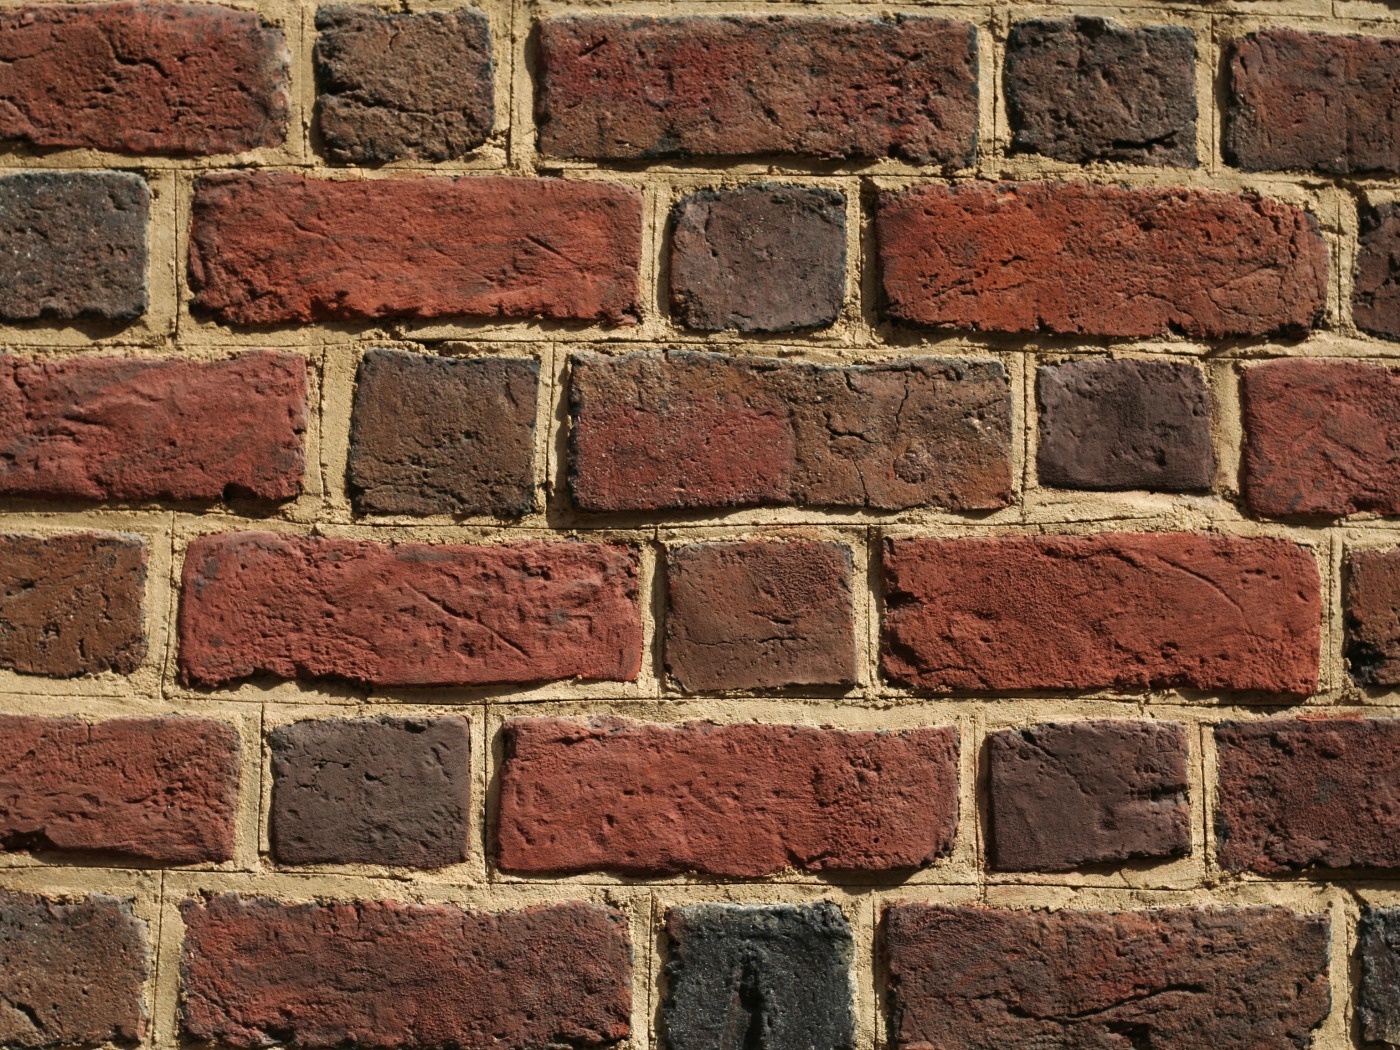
(1313, 101)
(444, 435)
(653, 431)
(73, 603)
(372, 791)
(1124, 424)
(1375, 290)
(625, 86)
(142, 78)
(1098, 792)
(75, 244)
(389, 975)
(1116, 610)
(72, 973)
(273, 248)
(738, 800)
(157, 790)
(1078, 259)
(1378, 945)
(765, 258)
(1312, 793)
(122, 428)
(1372, 598)
(1321, 437)
(744, 974)
(407, 614)
(1193, 979)
(1086, 88)
(760, 615)
(403, 87)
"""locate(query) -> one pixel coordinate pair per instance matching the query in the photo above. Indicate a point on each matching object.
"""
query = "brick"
(408, 614)
(274, 248)
(372, 791)
(389, 975)
(194, 79)
(1067, 794)
(1321, 437)
(655, 431)
(444, 435)
(627, 86)
(1116, 610)
(75, 243)
(1086, 88)
(760, 615)
(72, 973)
(1299, 794)
(743, 975)
(72, 604)
(765, 258)
(122, 428)
(1372, 599)
(403, 87)
(1070, 258)
(1188, 978)
(739, 800)
(1375, 292)
(1125, 424)
(1313, 101)
(1378, 1002)
(157, 790)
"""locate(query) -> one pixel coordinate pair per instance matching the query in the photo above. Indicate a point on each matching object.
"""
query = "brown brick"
(275, 248)
(1187, 978)
(765, 258)
(123, 428)
(1078, 259)
(1378, 999)
(1100, 792)
(738, 800)
(1373, 617)
(1115, 610)
(654, 431)
(72, 973)
(408, 614)
(1321, 437)
(629, 86)
(760, 615)
(157, 790)
(1313, 101)
(398, 86)
(390, 975)
(1375, 291)
(1307, 793)
(142, 78)
(444, 435)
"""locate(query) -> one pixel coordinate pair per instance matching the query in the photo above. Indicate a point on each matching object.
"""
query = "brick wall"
(700, 525)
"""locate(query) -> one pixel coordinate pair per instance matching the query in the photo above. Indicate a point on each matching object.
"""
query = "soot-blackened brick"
(764, 258)
(1373, 617)
(776, 976)
(73, 245)
(760, 615)
(1086, 88)
(444, 435)
(372, 791)
(1378, 946)
(1124, 424)
(1375, 291)
(1075, 793)
(398, 86)
(71, 973)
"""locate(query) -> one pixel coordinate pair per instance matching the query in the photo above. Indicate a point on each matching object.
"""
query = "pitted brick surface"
(737, 800)
(1375, 292)
(1378, 1002)
(1372, 598)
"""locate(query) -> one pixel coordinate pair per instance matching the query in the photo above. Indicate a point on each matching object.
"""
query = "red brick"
(142, 78)
(626, 86)
(122, 428)
(1321, 437)
(1186, 978)
(272, 248)
(160, 790)
(1116, 610)
(1372, 603)
(407, 614)
(1080, 259)
(388, 975)
(738, 800)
